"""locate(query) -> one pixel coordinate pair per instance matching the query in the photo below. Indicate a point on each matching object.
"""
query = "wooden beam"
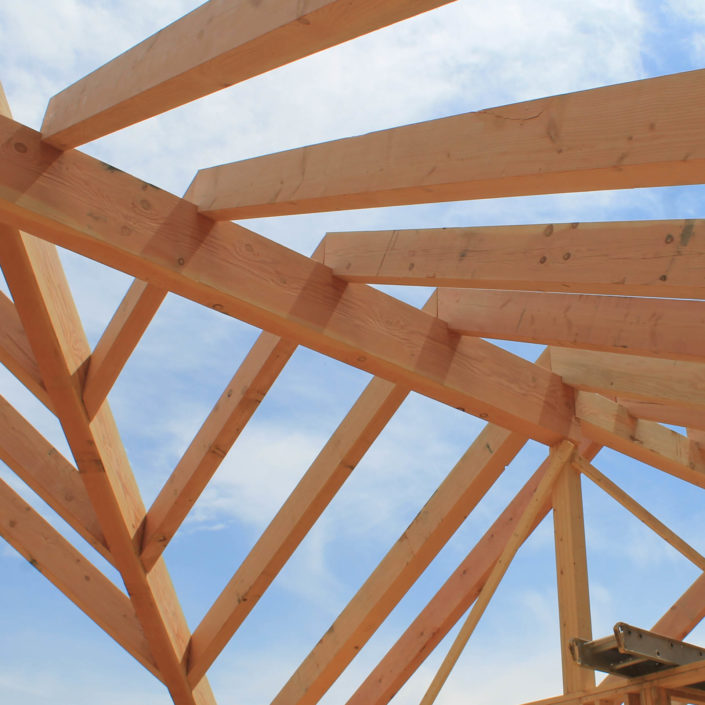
(696, 431)
(660, 328)
(16, 353)
(640, 258)
(437, 521)
(645, 133)
(28, 454)
(43, 299)
(58, 561)
(560, 456)
(118, 341)
(218, 44)
(160, 238)
(572, 576)
(211, 444)
(331, 468)
(451, 602)
(639, 512)
(633, 376)
(609, 424)
(672, 679)
(665, 413)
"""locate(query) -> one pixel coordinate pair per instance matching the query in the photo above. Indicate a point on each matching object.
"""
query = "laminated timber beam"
(631, 135)
(609, 424)
(54, 557)
(32, 458)
(437, 521)
(162, 239)
(452, 600)
(652, 327)
(43, 299)
(217, 45)
(637, 258)
(668, 381)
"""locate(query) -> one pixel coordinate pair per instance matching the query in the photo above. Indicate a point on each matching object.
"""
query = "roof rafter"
(76, 577)
(661, 258)
(234, 40)
(644, 133)
(655, 327)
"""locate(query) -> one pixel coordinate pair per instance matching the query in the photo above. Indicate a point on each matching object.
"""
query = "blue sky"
(458, 58)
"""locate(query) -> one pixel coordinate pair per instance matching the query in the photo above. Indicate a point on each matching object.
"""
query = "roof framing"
(619, 304)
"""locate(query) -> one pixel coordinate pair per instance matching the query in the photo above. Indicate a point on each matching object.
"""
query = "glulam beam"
(631, 135)
(637, 258)
(220, 43)
(661, 328)
(160, 238)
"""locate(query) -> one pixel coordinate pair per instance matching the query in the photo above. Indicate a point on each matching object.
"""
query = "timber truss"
(618, 304)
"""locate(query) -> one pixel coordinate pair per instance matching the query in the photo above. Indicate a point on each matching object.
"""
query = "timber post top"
(619, 307)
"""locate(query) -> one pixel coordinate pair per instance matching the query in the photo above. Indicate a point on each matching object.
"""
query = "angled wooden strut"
(661, 258)
(221, 43)
(645, 133)
(452, 600)
(639, 512)
(227, 267)
(44, 302)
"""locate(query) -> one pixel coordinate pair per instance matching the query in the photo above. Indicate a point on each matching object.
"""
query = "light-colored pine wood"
(696, 430)
(654, 327)
(440, 517)
(639, 258)
(572, 576)
(331, 468)
(118, 341)
(227, 267)
(609, 424)
(645, 133)
(44, 303)
(220, 43)
(664, 413)
(633, 376)
(453, 599)
(49, 474)
(211, 444)
(619, 495)
(16, 353)
(559, 457)
(55, 558)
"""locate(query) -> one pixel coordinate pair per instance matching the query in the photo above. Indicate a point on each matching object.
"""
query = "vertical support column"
(571, 570)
